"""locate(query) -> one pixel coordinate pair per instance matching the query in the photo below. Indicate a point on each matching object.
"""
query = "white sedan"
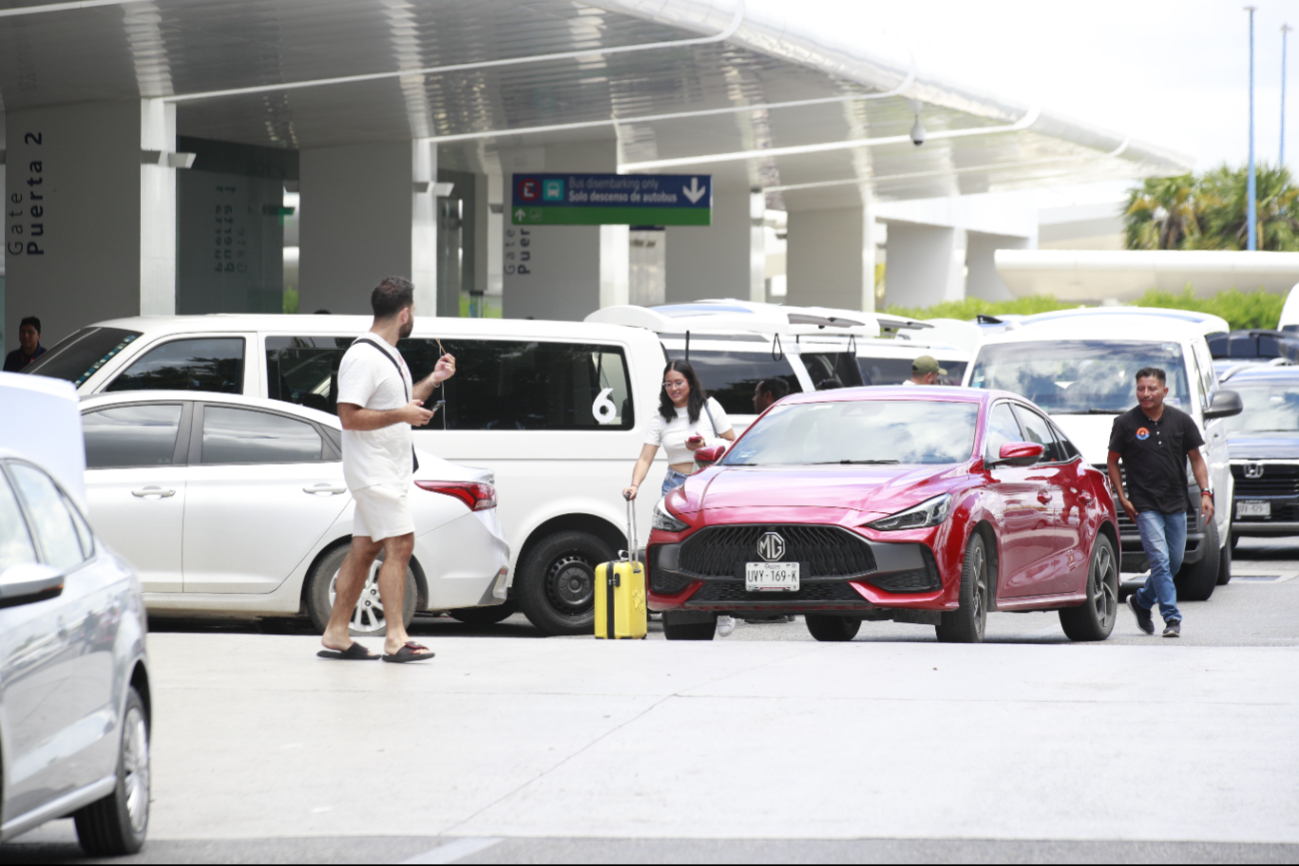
(227, 504)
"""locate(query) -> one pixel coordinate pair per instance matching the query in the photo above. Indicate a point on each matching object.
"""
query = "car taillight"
(478, 497)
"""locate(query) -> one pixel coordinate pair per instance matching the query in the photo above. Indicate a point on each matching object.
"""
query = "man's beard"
(407, 328)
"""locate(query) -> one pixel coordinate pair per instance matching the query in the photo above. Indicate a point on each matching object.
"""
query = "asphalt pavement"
(763, 747)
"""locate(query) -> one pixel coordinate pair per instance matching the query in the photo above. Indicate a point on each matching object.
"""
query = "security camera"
(918, 133)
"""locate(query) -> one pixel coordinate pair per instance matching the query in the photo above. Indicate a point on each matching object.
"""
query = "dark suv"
(1264, 446)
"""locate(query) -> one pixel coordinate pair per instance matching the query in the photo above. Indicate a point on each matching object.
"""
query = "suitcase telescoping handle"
(633, 555)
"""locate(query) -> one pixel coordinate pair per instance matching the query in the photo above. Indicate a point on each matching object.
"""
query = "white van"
(556, 410)
(1080, 365)
(733, 345)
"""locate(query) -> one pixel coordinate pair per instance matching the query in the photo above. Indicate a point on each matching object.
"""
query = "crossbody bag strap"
(414, 460)
(716, 435)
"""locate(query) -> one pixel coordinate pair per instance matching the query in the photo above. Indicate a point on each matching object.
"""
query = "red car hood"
(882, 489)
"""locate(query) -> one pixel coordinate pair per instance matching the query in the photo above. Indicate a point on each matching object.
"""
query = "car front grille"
(734, 591)
(822, 551)
(1278, 479)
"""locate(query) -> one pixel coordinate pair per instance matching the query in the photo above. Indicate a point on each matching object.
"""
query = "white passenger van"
(556, 410)
(1080, 366)
(733, 345)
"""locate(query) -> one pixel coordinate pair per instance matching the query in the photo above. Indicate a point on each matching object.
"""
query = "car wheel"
(693, 629)
(368, 620)
(556, 584)
(1094, 619)
(1224, 562)
(1196, 581)
(1235, 540)
(116, 825)
(827, 627)
(490, 615)
(966, 624)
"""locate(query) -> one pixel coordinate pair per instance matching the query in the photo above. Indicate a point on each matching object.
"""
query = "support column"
(369, 211)
(90, 201)
(723, 260)
(831, 258)
(982, 279)
(926, 264)
(561, 272)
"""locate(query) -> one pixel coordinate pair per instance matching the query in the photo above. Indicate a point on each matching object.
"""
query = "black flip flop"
(354, 653)
(408, 653)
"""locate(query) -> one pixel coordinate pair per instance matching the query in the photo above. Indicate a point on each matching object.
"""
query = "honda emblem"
(771, 547)
(1253, 470)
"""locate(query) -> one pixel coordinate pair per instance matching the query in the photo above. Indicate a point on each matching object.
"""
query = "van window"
(304, 370)
(533, 385)
(80, 356)
(732, 377)
(202, 364)
(833, 365)
(895, 371)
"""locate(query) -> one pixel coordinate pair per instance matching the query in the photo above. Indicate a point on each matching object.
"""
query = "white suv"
(1079, 367)
(556, 410)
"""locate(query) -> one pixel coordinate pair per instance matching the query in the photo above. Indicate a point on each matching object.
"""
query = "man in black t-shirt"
(1154, 440)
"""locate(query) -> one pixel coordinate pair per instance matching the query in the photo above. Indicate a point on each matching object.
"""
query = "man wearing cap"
(925, 370)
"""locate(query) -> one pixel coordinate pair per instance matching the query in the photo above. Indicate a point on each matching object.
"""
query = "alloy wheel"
(1104, 597)
(979, 601)
(368, 616)
(135, 763)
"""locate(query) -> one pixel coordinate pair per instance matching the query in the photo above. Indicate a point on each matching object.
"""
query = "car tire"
(116, 825)
(369, 620)
(1094, 619)
(674, 629)
(830, 628)
(1195, 581)
(1224, 562)
(966, 624)
(1235, 540)
(556, 583)
(490, 615)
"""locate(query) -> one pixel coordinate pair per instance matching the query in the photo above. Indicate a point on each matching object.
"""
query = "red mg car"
(923, 505)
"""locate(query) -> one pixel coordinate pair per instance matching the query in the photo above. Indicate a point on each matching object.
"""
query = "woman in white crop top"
(687, 420)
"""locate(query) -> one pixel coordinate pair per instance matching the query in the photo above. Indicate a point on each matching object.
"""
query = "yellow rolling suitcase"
(620, 592)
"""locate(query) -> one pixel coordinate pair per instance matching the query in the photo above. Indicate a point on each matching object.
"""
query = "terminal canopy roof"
(812, 116)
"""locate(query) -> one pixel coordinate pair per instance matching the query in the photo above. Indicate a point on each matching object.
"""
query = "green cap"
(926, 364)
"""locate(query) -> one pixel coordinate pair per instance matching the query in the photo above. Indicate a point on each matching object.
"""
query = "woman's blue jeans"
(673, 480)
(1163, 536)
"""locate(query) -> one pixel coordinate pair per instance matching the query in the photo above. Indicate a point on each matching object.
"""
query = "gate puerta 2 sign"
(612, 199)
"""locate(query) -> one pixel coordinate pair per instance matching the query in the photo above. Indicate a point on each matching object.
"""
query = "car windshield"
(78, 357)
(1079, 376)
(859, 431)
(1268, 408)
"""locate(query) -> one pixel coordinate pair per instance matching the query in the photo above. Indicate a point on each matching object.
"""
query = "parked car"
(236, 505)
(920, 505)
(1264, 442)
(1239, 349)
(556, 411)
(75, 703)
(735, 344)
(1080, 367)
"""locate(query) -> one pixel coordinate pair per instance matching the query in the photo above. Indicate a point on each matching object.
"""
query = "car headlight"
(929, 513)
(664, 520)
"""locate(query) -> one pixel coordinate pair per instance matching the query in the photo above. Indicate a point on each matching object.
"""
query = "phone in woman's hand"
(695, 439)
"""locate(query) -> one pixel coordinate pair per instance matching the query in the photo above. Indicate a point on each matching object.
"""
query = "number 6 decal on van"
(603, 409)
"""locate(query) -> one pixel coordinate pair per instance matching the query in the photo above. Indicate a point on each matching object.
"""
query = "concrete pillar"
(561, 272)
(90, 201)
(926, 264)
(830, 258)
(982, 279)
(723, 260)
(368, 211)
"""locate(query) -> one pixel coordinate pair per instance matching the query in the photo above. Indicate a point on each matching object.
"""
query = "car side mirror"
(28, 583)
(1019, 454)
(709, 456)
(1224, 405)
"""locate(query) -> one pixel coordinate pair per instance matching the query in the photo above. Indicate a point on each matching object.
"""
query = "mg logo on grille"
(771, 547)
(1253, 470)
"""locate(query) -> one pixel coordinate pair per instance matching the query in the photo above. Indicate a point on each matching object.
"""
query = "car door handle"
(153, 491)
(325, 488)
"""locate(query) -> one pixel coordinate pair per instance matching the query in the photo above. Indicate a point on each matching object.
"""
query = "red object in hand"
(695, 438)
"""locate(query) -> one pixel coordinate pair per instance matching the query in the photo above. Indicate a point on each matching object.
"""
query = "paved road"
(766, 746)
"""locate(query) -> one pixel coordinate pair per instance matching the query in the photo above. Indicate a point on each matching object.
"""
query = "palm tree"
(1222, 201)
(1161, 214)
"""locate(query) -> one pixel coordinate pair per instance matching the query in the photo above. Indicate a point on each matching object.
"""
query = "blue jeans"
(673, 480)
(1163, 536)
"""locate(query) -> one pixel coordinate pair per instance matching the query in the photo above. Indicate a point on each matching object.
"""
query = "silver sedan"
(74, 683)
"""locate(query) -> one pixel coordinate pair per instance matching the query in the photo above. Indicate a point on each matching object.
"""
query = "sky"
(1172, 74)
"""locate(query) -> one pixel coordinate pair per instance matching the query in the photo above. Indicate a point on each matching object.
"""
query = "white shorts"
(382, 511)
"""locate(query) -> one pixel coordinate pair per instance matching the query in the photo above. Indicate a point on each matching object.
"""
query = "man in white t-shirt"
(378, 403)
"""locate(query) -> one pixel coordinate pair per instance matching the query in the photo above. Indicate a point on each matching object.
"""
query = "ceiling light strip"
(63, 7)
(803, 149)
(465, 67)
(678, 115)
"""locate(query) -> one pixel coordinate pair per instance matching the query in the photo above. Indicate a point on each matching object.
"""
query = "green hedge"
(1242, 310)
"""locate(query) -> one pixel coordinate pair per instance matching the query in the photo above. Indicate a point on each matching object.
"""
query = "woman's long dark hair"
(697, 394)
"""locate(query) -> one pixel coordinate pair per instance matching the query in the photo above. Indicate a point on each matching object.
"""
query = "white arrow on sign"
(694, 192)
(520, 214)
